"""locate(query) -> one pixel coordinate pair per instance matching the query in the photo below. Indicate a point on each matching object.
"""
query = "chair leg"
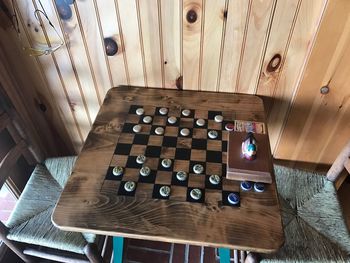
(224, 254)
(92, 253)
(16, 248)
(252, 258)
(118, 246)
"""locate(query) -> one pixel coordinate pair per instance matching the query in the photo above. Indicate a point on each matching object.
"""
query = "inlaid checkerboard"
(184, 151)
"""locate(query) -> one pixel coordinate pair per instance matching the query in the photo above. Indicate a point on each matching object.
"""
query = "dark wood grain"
(87, 204)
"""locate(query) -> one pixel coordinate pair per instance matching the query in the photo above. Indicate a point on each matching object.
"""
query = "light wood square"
(167, 152)
(201, 114)
(198, 155)
(144, 190)
(159, 120)
(132, 118)
(119, 160)
(230, 185)
(137, 149)
(186, 122)
(171, 131)
(196, 180)
(214, 145)
(213, 125)
(126, 138)
(184, 143)
(181, 165)
(212, 197)
(131, 174)
(155, 140)
(214, 168)
(163, 177)
(152, 163)
(178, 193)
(200, 133)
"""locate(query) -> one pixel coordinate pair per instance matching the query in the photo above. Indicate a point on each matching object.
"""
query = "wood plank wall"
(246, 46)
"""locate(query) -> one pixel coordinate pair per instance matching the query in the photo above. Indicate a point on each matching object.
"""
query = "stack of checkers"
(175, 154)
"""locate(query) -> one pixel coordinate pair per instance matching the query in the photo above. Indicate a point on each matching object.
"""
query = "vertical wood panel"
(305, 29)
(171, 17)
(151, 42)
(283, 23)
(233, 41)
(325, 118)
(191, 41)
(109, 22)
(92, 36)
(256, 38)
(130, 27)
(49, 68)
(212, 37)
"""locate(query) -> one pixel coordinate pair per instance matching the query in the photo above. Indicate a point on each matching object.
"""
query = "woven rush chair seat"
(30, 222)
(314, 227)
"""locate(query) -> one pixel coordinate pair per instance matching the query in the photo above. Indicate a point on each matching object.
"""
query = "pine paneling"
(229, 48)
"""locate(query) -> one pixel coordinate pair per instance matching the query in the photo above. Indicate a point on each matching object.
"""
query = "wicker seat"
(30, 222)
(314, 227)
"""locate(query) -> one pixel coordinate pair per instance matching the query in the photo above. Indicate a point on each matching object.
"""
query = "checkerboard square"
(188, 136)
(153, 151)
(191, 114)
(196, 180)
(157, 113)
(175, 181)
(134, 119)
(126, 138)
(184, 143)
(160, 120)
(229, 116)
(145, 129)
(133, 108)
(176, 124)
(131, 163)
(212, 197)
(205, 126)
(199, 144)
(224, 146)
(131, 174)
(156, 194)
(155, 140)
(127, 127)
(219, 138)
(213, 125)
(171, 131)
(137, 149)
(144, 123)
(214, 145)
(141, 139)
(153, 130)
(182, 154)
(201, 114)
(225, 201)
(198, 155)
(181, 165)
(149, 110)
(214, 156)
(200, 133)
(190, 199)
(193, 163)
(169, 141)
(186, 123)
(144, 190)
(212, 114)
(209, 185)
(161, 168)
(167, 152)
(163, 177)
(111, 176)
(230, 185)
(119, 160)
(214, 168)
(150, 179)
(178, 193)
(122, 191)
(152, 163)
(122, 148)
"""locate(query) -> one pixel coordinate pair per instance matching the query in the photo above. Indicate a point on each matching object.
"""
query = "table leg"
(118, 243)
(224, 254)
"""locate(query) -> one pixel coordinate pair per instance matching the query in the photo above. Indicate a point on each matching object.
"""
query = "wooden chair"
(29, 231)
(314, 226)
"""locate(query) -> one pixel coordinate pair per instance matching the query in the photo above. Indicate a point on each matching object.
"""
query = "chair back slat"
(10, 160)
(347, 165)
(4, 121)
(336, 172)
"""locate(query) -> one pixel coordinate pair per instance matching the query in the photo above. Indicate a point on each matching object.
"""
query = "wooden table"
(89, 204)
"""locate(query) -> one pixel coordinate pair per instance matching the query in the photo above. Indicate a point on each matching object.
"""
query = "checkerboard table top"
(94, 200)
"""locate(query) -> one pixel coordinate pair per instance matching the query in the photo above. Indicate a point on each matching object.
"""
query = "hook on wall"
(111, 46)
